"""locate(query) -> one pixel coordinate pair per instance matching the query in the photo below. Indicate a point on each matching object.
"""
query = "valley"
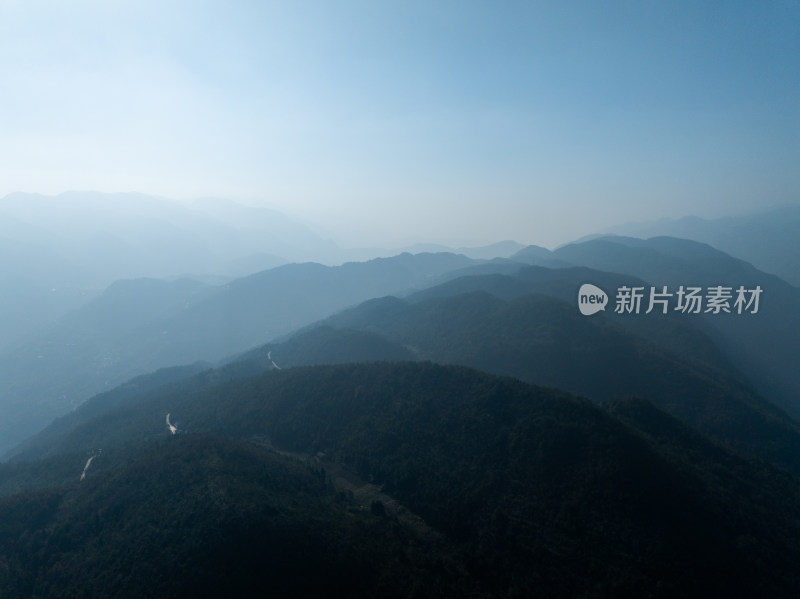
(430, 422)
(399, 300)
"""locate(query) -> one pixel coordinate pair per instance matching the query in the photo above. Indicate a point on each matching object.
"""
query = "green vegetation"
(138, 326)
(384, 474)
(206, 516)
(543, 340)
(522, 491)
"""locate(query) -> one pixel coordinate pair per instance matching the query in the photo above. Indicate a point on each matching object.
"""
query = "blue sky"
(389, 122)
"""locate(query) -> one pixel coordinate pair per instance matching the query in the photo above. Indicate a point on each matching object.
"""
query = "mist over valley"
(368, 392)
(399, 299)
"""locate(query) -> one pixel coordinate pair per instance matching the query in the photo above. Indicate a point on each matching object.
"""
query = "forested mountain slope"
(525, 490)
(543, 340)
(138, 326)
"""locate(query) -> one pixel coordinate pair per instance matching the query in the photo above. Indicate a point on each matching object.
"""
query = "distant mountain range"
(106, 237)
(430, 425)
(58, 252)
(768, 239)
(140, 325)
(502, 249)
(674, 262)
(525, 324)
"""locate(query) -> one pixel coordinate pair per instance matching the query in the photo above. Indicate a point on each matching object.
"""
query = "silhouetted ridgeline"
(767, 239)
(137, 326)
(543, 340)
(673, 262)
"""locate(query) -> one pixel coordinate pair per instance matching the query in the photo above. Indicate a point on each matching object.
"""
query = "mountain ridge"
(141, 325)
(534, 490)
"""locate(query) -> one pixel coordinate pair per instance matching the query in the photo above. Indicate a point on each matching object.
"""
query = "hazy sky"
(458, 121)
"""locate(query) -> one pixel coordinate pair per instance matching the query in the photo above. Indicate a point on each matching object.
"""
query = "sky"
(386, 122)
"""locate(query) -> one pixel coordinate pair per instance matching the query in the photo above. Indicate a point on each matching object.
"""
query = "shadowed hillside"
(535, 493)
